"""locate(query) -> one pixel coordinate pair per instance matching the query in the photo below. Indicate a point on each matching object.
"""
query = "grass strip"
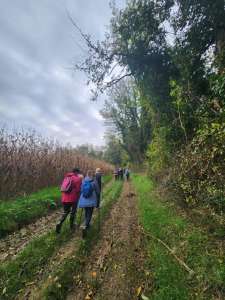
(193, 245)
(14, 275)
(106, 179)
(65, 274)
(17, 213)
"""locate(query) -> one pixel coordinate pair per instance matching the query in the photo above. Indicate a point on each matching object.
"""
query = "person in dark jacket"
(89, 201)
(116, 174)
(70, 199)
(98, 178)
(120, 173)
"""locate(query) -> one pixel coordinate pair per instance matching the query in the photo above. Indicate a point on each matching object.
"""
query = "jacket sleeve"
(99, 181)
(77, 185)
(96, 188)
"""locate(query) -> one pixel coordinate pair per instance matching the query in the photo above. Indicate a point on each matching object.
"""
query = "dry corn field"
(29, 162)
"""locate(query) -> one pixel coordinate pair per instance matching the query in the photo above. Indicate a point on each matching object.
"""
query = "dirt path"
(114, 269)
(11, 245)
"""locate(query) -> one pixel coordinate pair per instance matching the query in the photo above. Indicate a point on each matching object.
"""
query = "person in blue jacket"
(90, 193)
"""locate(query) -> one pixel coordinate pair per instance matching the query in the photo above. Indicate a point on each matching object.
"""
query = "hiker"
(120, 173)
(70, 189)
(127, 174)
(90, 193)
(98, 178)
(116, 174)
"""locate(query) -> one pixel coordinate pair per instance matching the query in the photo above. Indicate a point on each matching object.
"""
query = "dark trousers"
(88, 215)
(69, 208)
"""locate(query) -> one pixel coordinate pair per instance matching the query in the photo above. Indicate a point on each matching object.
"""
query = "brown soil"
(114, 270)
(11, 245)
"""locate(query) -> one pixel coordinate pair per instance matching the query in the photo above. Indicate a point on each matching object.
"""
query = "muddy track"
(114, 268)
(43, 277)
(11, 245)
(14, 243)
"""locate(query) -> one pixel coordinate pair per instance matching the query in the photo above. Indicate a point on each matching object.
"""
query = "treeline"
(162, 65)
(29, 162)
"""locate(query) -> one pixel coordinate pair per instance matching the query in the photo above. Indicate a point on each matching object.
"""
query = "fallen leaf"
(143, 297)
(4, 291)
(139, 290)
(94, 274)
(89, 295)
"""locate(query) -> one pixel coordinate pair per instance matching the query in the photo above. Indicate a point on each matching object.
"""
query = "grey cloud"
(37, 87)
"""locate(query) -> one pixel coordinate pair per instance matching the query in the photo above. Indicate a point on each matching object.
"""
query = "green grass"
(58, 290)
(193, 245)
(17, 213)
(106, 179)
(14, 275)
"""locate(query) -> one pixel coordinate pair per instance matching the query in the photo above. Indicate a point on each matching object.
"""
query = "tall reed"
(29, 162)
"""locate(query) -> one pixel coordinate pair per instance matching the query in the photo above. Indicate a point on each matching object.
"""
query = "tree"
(125, 115)
(114, 152)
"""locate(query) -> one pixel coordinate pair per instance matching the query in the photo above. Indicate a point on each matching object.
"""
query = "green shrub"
(158, 153)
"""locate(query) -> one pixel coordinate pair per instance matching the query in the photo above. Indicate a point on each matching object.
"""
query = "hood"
(88, 179)
(70, 174)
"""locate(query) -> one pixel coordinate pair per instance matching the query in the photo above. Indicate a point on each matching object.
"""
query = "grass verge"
(106, 179)
(17, 213)
(197, 249)
(15, 274)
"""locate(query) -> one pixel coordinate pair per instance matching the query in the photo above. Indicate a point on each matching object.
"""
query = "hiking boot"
(83, 226)
(73, 227)
(58, 228)
(84, 232)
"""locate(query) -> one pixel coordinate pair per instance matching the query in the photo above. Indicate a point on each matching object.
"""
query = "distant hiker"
(116, 174)
(98, 178)
(90, 193)
(120, 173)
(70, 189)
(127, 174)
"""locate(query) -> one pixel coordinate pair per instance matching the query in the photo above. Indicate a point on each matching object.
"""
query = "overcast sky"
(38, 89)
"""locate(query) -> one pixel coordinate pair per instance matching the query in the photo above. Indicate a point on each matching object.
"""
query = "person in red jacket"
(70, 198)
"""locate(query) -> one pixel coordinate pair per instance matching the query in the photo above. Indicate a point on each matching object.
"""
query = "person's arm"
(96, 187)
(78, 184)
(97, 191)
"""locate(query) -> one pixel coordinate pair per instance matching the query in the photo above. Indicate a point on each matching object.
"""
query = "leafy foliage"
(175, 52)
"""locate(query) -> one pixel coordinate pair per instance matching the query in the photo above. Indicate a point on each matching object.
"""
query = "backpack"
(127, 172)
(87, 188)
(67, 185)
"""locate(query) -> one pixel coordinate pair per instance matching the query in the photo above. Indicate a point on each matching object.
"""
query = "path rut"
(114, 269)
(12, 244)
